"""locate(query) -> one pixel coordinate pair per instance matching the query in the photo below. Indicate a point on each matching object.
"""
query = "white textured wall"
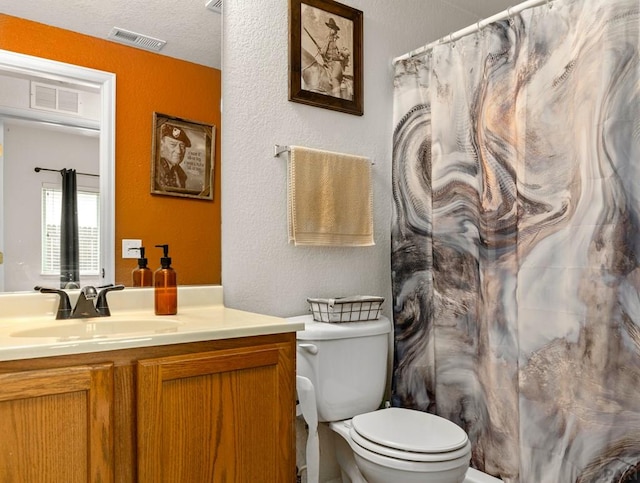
(260, 270)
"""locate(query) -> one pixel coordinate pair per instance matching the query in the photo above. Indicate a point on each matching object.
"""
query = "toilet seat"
(409, 435)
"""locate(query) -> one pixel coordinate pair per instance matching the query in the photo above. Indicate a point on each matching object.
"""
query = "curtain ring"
(549, 4)
(452, 41)
(510, 16)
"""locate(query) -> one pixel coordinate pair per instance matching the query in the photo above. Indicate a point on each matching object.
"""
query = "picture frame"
(183, 157)
(325, 55)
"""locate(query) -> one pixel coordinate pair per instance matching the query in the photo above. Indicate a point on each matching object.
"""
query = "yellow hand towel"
(330, 200)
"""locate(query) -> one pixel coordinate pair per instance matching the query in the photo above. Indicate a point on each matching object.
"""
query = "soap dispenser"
(142, 275)
(166, 289)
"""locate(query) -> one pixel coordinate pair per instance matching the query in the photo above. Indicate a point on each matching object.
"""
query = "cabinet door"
(222, 416)
(56, 425)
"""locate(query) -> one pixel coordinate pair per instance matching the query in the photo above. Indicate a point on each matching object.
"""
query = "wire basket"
(346, 309)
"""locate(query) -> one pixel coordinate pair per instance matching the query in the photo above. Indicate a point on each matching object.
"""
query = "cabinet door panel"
(215, 417)
(56, 425)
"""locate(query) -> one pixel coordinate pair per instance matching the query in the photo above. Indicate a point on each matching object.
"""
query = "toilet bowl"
(402, 445)
(341, 377)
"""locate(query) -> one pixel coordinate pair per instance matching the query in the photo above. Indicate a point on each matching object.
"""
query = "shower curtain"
(516, 240)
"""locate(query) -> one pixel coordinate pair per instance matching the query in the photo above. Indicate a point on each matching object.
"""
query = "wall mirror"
(46, 105)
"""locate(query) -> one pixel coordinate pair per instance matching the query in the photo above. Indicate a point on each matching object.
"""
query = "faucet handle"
(101, 304)
(64, 307)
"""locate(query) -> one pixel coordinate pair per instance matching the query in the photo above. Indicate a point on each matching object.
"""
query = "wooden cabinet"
(56, 425)
(215, 411)
(222, 409)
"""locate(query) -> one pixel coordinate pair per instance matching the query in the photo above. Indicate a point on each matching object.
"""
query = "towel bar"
(278, 150)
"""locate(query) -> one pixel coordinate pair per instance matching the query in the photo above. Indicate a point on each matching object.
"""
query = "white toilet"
(346, 364)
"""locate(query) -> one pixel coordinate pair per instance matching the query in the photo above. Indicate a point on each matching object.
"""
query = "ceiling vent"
(52, 98)
(136, 40)
(215, 5)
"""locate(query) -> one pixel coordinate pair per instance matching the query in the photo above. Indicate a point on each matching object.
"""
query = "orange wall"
(145, 83)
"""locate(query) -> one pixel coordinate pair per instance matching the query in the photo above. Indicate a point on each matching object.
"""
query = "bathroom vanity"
(206, 395)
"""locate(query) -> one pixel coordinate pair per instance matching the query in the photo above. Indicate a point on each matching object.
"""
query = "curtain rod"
(452, 37)
(37, 170)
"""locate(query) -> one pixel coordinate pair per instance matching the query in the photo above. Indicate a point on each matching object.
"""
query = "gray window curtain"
(69, 245)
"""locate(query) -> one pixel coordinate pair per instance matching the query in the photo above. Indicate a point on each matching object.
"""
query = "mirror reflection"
(33, 254)
(146, 83)
(51, 122)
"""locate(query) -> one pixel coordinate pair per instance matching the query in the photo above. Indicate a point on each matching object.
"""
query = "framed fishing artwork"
(325, 55)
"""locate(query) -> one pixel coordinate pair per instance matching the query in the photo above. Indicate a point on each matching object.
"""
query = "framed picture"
(183, 157)
(325, 55)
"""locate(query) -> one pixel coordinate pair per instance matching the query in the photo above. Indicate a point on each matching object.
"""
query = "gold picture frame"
(325, 55)
(183, 157)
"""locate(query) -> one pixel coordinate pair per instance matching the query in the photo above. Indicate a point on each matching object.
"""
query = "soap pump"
(166, 289)
(142, 275)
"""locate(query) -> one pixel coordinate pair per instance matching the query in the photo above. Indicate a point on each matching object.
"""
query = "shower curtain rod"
(37, 170)
(452, 37)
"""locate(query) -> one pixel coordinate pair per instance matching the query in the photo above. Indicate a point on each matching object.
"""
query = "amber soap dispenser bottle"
(142, 275)
(166, 286)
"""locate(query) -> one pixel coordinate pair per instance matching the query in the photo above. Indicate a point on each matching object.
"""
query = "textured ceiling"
(192, 32)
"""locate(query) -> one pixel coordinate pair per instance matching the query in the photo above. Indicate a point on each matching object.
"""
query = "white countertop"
(201, 316)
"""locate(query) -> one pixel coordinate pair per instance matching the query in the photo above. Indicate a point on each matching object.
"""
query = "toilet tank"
(346, 363)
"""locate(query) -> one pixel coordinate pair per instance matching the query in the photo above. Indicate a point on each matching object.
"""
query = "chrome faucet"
(85, 306)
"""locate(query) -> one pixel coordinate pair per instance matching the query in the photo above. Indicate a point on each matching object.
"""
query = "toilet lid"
(410, 430)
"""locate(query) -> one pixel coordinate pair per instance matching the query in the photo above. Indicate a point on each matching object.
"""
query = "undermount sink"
(99, 328)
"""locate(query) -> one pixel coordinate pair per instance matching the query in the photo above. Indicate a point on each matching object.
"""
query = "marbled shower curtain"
(516, 241)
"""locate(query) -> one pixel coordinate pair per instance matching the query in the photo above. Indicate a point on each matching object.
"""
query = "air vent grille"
(215, 5)
(68, 101)
(52, 98)
(45, 97)
(136, 40)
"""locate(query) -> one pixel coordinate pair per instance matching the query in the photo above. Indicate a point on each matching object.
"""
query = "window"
(88, 230)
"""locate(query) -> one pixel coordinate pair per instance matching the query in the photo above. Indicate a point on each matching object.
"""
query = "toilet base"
(475, 476)
(375, 473)
(344, 454)
(355, 469)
